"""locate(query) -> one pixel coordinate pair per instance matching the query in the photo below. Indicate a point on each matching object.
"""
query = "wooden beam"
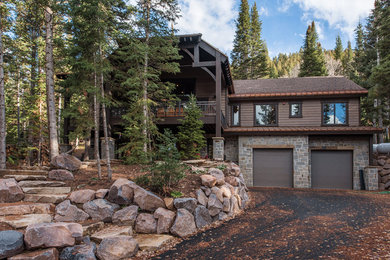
(196, 54)
(189, 53)
(209, 72)
(218, 86)
(203, 64)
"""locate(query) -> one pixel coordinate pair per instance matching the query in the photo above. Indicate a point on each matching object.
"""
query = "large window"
(334, 113)
(235, 115)
(266, 115)
(295, 109)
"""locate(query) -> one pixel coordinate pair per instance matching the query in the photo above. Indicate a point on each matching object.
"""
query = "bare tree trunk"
(59, 118)
(33, 84)
(51, 104)
(3, 154)
(87, 144)
(18, 103)
(96, 120)
(145, 83)
(40, 134)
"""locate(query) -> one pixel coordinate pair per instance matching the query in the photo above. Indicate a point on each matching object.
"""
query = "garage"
(331, 169)
(273, 167)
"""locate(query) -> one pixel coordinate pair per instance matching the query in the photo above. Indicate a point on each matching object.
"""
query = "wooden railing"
(208, 108)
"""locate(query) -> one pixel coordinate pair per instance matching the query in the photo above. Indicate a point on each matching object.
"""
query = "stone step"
(45, 198)
(112, 231)
(41, 183)
(26, 208)
(26, 177)
(22, 221)
(47, 190)
(22, 172)
(152, 242)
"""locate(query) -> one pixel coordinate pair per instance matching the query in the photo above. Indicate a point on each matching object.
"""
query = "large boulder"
(61, 175)
(115, 248)
(66, 161)
(201, 197)
(10, 191)
(226, 205)
(121, 192)
(226, 190)
(202, 217)
(24, 209)
(46, 254)
(126, 216)
(214, 205)
(208, 180)
(186, 203)
(234, 181)
(217, 191)
(82, 252)
(100, 209)
(146, 223)
(112, 231)
(184, 224)
(218, 174)
(101, 193)
(52, 234)
(146, 200)
(165, 219)
(66, 212)
(82, 196)
(11, 243)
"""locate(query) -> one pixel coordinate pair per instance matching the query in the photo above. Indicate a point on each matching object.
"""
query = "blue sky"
(284, 21)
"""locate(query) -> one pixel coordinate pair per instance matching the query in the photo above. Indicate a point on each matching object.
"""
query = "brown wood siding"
(247, 114)
(353, 110)
(223, 100)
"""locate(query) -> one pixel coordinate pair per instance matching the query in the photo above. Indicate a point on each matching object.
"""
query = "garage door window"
(334, 113)
(266, 115)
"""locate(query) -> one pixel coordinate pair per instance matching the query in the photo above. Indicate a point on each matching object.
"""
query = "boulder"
(45, 198)
(115, 248)
(234, 181)
(66, 212)
(165, 219)
(10, 191)
(100, 209)
(46, 190)
(52, 235)
(186, 203)
(82, 196)
(202, 217)
(101, 193)
(235, 170)
(218, 174)
(201, 197)
(152, 242)
(31, 184)
(11, 243)
(112, 231)
(234, 207)
(214, 205)
(217, 191)
(91, 228)
(126, 216)
(61, 175)
(82, 252)
(208, 180)
(66, 161)
(222, 216)
(22, 221)
(169, 203)
(226, 191)
(46, 254)
(145, 223)
(184, 224)
(24, 209)
(121, 192)
(147, 200)
(226, 205)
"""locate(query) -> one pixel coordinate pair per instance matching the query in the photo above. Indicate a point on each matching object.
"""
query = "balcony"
(208, 108)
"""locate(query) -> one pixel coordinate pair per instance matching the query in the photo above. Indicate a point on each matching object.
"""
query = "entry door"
(273, 167)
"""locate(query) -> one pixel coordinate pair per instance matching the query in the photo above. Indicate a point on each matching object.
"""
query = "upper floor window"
(295, 109)
(266, 114)
(334, 113)
(235, 115)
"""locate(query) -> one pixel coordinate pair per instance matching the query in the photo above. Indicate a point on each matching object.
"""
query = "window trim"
(232, 114)
(276, 112)
(300, 110)
(334, 102)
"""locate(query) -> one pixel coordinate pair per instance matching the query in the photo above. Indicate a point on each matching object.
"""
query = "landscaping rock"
(41, 184)
(121, 192)
(47, 190)
(115, 248)
(24, 209)
(45, 198)
(152, 242)
(22, 221)
(214, 205)
(234, 207)
(226, 205)
(11, 243)
(26, 177)
(52, 235)
(89, 229)
(61, 175)
(82, 196)
(169, 203)
(201, 197)
(145, 223)
(100, 209)
(226, 191)
(66, 212)
(66, 161)
(126, 216)
(208, 180)
(186, 203)
(165, 219)
(218, 193)
(46, 254)
(218, 174)
(235, 170)
(202, 217)
(112, 231)
(79, 252)
(232, 180)
(222, 216)
(184, 224)
(100, 194)
(147, 200)
(10, 191)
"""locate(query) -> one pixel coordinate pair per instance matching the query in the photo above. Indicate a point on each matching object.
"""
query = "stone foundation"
(371, 178)
(231, 149)
(218, 148)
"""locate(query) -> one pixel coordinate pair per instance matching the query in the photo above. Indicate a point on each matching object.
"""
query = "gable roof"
(289, 87)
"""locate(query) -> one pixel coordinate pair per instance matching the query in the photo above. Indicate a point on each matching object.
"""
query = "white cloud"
(284, 5)
(263, 11)
(214, 19)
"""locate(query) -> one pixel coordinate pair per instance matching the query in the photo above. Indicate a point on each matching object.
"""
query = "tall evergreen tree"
(313, 60)
(338, 50)
(2, 92)
(347, 61)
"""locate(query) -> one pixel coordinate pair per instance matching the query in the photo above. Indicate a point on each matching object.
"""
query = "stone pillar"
(371, 178)
(111, 144)
(218, 148)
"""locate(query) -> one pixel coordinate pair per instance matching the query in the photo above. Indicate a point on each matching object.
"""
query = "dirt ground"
(298, 224)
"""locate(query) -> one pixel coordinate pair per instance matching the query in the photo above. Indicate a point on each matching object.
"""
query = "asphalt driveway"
(298, 224)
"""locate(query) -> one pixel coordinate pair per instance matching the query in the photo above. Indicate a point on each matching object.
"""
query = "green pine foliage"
(347, 61)
(191, 134)
(338, 50)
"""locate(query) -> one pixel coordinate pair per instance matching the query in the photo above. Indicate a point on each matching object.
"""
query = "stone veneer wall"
(300, 145)
(231, 149)
(359, 145)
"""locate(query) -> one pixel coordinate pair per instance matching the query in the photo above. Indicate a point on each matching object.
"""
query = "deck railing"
(208, 108)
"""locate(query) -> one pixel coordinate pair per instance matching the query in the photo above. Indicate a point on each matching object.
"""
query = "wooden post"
(218, 93)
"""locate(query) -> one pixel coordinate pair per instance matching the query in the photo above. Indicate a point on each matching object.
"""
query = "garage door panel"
(272, 167)
(331, 169)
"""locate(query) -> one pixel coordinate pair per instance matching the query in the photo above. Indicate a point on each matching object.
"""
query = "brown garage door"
(331, 169)
(272, 167)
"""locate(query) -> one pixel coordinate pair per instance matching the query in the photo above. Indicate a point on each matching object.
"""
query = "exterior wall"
(231, 148)
(371, 178)
(359, 145)
(300, 145)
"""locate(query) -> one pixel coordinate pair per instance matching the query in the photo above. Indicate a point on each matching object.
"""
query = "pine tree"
(338, 50)
(347, 61)
(313, 60)
(3, 154)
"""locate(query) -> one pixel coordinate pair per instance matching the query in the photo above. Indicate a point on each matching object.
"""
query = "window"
(266, 115)
(295, 109)
(235, 115)
(334, 113)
